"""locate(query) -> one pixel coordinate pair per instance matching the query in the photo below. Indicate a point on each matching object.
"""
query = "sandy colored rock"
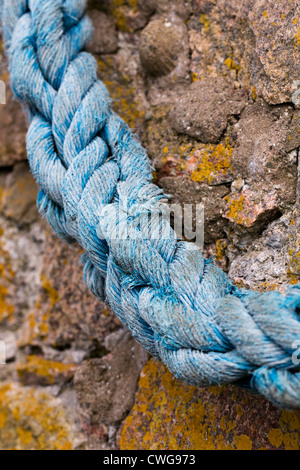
(105, 39)
(161, 44)
(130, 15)
(277, 34)
(19, 195)
(12, 131)
(66, 317)
(260, 155)
(203, 110)
(183, 190)
(293, 137)
(181, 8)
(106, 387)
(251, 210)
(271, 261)
(10, 345)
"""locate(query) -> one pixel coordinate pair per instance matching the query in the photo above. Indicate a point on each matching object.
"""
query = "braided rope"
(95, 181)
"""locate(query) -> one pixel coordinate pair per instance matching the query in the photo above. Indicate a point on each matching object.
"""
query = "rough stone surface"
(293, 137)
(183, 190)
(260, 155)
(276, 28)
(13, 122)
(272, 260)
(106, 387)
(162, 43)
(203, 110)
(32, 419)
(12, 131)
(105, 39)
(224, 73)
(19, 195)
(168, 415)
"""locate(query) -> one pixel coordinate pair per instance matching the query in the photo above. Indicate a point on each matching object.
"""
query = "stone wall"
(210, 87)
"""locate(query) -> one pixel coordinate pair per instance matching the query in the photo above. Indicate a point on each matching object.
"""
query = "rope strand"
(96, 188)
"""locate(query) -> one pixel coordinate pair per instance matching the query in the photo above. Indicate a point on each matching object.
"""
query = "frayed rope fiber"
(95, 181)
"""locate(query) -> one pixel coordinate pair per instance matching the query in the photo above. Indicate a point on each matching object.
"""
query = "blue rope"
(95, 181)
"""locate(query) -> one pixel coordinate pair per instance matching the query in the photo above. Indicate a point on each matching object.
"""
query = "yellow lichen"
(276, 437)
(215, 161)
(293, 269)
(120, 9)
(3, 417)
(36, 324)
(221, 246)
(7, 275)
(34, 420)
(169, 415)
(25, 436)
(236, 209)
(254, 94)
(232, 65)
(52, 293)
(53, 297)
(243, 443)
(49, 371)
(122, 92)
(205, 21)
(297, 37)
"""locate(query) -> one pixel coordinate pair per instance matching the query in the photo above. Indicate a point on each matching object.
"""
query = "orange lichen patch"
(290, 424)
(124, 103)
(52, 298)
(52, 293)
(205, 21)
(122, 92)
(30, 419)
(293, 269)
(254, 94)
(36, 325)
(232, 65)
(215, 163)
(170, 415)
(236, 209)
(6, 309)
(265, 14)
(221, 246)
(121, 9)
(243, 443)
(36, 369)
(297, 37)
(7, 275)
(244, 210)
(24, 436)
(276, 437)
